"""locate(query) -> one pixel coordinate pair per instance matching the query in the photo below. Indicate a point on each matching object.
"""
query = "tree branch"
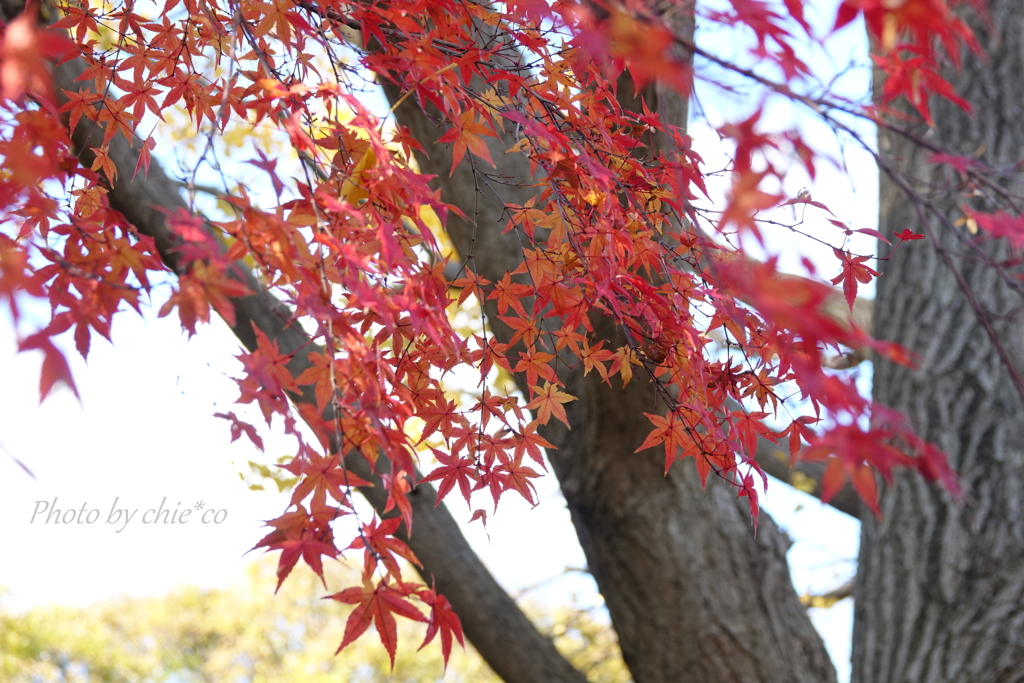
(826, 600)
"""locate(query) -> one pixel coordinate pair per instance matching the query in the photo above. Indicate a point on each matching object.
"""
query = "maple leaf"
(112, 111)
(798, 432)
(270, 364)
(908, 234)
(398, 486)
(670, 430)
(524, 328)
(745, 200)
(442, 415)
(471, 285)
(321, 376)
(453, 470)
(377, 605)
(322, 475)
(275, 16)
(594, 357)
(749, 427)
(299, 138)
(548, 401)
(854, 454)
(854, 271)
(510, 293)
(103, 162)
(962, 164)
(55, 367)
(191, 304)
(916, 79)
(465, 133)
(443, 621)
(379, 544)
(80, 103)
(749, 491)
(530, 443)
(646, 48)
(298, 534)
(270, 166)
(933, 464)
(517, 476)
(534, 363)
(481, 515)
(238, 427)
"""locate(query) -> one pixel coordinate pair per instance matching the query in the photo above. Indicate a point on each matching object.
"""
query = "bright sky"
(143, 435)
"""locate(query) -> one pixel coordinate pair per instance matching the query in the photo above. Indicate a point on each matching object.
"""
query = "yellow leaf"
(351, 190)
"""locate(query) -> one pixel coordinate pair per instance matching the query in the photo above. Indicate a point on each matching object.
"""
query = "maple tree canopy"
(341, 283)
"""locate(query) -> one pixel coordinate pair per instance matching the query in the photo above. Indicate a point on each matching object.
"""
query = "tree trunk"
(940, 587)
(693, 594)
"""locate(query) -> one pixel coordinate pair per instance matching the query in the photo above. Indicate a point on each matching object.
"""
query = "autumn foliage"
(350, 239)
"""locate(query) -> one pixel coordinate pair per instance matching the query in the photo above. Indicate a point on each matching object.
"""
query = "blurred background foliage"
(246, 634)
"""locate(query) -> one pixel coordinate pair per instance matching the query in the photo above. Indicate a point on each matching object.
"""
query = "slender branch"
(826, 600)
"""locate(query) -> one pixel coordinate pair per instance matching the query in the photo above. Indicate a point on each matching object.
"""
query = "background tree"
(245, 633)
(691, 591)
(939, 584)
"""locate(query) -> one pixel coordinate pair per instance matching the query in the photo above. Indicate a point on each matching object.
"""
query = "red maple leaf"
(322, 475)
(454, 469)
(55, 367)
(530, 442)
(379, 544)
(668, 429)
(465, 133)
(517, 476)
(510, 294)
(238, 427)
(854, 271)
(443, 620)
(398, 486)
(270, 166)
(377, 605)
(855, 454)
(298, 534)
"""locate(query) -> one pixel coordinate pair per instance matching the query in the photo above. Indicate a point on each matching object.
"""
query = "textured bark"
(940, 592)
(693, 594)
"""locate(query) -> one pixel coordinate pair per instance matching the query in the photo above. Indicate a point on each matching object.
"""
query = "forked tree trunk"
(940, 588)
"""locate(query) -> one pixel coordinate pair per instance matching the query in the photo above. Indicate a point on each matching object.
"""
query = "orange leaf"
(548, 401)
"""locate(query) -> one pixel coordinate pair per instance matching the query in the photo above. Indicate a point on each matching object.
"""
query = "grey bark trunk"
(940, 588)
